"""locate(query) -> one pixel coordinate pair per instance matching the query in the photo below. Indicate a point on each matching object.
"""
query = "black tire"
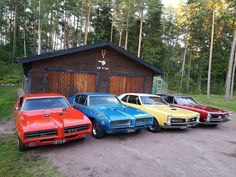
(195, 126)
(98, 133)
(155, 127)
(21, 146)
(214, 125)
(138, 131)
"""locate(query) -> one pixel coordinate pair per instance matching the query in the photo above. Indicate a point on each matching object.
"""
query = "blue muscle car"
(109, 115)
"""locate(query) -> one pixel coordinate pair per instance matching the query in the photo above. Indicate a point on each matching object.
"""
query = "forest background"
(177, 39)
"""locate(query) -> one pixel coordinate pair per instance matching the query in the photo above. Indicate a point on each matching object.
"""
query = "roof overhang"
(88, 47)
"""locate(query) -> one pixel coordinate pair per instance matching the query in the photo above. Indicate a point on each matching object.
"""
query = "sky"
(170, 2)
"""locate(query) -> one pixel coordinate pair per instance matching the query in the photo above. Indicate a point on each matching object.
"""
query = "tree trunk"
(120, 38)
(210, 56)
(232, 79)
(112, 21)
(200, 84)
(51, 31)
(87, 22)
(65, 32)
(39, 30)
(140, 33)
(14, 32)
(24, 38)
(189, 69)
(127, 29)
(183, 64)
(230, 67)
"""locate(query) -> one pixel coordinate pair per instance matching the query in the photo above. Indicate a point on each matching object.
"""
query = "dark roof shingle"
(87, 47)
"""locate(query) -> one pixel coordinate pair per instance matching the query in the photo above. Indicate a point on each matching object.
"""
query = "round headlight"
(198, 118)
(208, 117)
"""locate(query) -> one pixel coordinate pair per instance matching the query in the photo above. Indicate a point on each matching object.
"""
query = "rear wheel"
(155, 127)
(21, 146)
(98, 133)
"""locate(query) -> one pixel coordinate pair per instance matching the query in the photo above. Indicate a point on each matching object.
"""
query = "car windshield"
(152, 100)
(44, 103)
(108, 100)
(186, 101)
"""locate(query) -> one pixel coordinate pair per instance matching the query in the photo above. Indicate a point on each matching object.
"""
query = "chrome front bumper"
(183, 125)
(215, 121)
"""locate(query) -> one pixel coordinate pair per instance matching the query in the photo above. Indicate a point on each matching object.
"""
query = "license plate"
(60, 141)
(130, 130)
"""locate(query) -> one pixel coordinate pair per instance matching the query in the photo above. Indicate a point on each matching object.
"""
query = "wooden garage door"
(67, 84)
(123, 84)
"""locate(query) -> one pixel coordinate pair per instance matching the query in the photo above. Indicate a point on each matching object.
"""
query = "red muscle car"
(44, 119)
(208, 115)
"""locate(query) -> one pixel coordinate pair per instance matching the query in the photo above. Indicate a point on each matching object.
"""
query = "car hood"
(173, 111)
(52, 119)
(206, 108)
(120, 112)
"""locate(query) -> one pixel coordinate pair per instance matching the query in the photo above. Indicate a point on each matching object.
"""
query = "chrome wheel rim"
(95, 129)
(151, 127)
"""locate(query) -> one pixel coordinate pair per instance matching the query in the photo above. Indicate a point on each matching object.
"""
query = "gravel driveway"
(198, 152)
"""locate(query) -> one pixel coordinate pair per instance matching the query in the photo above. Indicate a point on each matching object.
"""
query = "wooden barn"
(100, 67)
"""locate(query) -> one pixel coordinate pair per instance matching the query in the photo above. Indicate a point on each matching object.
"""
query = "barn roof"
(88, 47)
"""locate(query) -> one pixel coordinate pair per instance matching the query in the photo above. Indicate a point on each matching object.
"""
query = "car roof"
(174, 95)
(140, 94)
(42, 95)
(95, 94)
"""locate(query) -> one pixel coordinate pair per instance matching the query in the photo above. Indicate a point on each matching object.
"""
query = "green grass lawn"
(217, 101)
(8, 98)
(12, 162)
(27, 164)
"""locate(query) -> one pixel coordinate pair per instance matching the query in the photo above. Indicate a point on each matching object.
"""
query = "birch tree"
(87, 22)
(228, 83)
(210, 55)
(15, 26)
(140, 6)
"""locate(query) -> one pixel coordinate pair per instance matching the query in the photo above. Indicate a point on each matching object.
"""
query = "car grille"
(120, 123)
(76, 128)
(192, 119)
(40, 134)
(142, 121)
(174, 120)
(219, 116)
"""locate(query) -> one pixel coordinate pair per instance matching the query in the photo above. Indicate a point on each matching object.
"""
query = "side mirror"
(16, 108)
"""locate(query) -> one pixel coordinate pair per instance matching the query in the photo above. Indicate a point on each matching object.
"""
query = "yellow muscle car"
(165, 115)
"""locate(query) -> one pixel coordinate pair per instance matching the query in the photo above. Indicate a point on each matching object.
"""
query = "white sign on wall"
(102, 63)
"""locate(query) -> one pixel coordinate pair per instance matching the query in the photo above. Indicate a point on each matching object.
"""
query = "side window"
(175, 102)
(125, 98)
(169, 99)
(133, 99)
(81, 99)
(20, 102)
(77, 99)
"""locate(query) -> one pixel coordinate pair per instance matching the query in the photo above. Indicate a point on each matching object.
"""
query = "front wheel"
(98, 133)
(213, 125)
(21, 146)
(155, 127)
